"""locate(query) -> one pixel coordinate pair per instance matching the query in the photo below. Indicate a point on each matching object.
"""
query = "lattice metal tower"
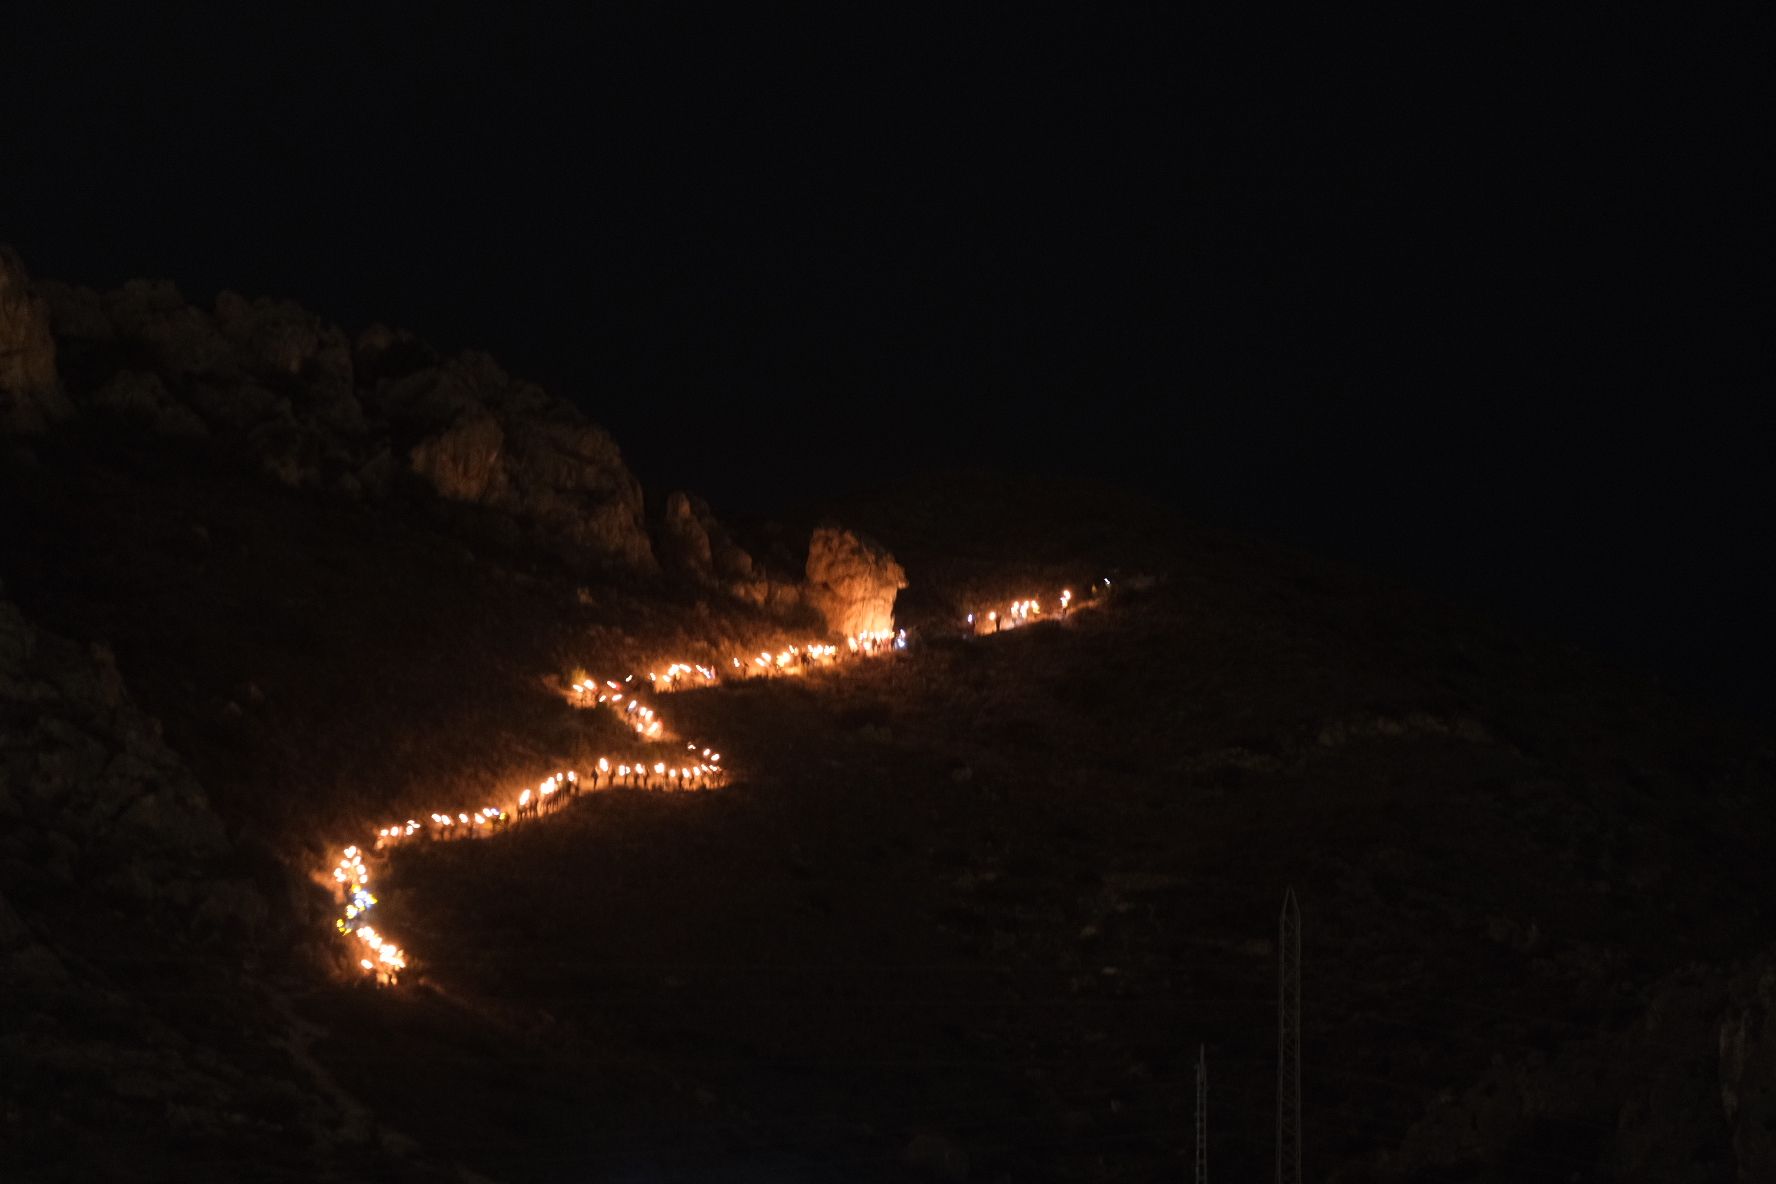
(1289, 1042)
(1202, 1118)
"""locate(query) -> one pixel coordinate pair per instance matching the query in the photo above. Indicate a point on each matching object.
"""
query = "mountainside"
(967, 911)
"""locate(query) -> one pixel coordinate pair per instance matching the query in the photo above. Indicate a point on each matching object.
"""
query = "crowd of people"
(1026, 611)
(699, 768)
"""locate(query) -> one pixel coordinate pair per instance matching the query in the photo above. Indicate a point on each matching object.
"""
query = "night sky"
(1486, 305)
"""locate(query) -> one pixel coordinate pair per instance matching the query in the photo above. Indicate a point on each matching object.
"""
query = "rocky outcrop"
(694, 543)
(31, 398)
(490, 439)
(177, 338)
(1688, 1091)
(133, 1023)
(291, 347)
(685, 547)
(852, 581)
(462, 462)
(142, 398)
(312, 408)
(79, 763)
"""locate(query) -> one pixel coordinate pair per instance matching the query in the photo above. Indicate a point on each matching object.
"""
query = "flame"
(351, 875)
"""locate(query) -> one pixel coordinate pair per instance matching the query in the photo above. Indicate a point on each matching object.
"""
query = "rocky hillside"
(966, 913)
(136, 940)
(317, 408)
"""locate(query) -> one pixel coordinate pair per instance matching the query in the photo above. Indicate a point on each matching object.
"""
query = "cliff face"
(1687, 1089)
(120, 891)
(30, 396)
(694, 545)
(314, 408)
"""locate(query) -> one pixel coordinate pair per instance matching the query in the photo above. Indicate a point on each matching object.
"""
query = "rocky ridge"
(314, 407)
(129, 926)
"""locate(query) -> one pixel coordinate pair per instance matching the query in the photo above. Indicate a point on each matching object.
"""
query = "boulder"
(852, 581)
(30, 393)
(509, 445)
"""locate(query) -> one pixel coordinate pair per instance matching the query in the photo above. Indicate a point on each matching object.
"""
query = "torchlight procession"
(697, 768)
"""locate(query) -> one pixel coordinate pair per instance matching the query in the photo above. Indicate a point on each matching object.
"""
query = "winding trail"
(695, 768)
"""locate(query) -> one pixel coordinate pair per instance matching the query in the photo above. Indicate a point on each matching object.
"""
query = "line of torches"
(698, 769)
(681, 676)
(1024, 612)
(383, 960)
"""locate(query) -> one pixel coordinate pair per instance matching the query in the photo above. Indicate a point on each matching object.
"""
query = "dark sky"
(1482, 301)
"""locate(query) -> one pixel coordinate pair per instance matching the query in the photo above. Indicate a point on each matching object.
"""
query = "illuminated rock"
(30, 395)
(852, 581)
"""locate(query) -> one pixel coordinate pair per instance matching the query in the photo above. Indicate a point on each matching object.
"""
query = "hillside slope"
(967, 911)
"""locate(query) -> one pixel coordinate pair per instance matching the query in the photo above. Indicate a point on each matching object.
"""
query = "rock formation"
(852, 581)
(120, 890)
(30, 395)
(685, 547)
(462, 462)
(694, 543)
(311, 408)
(1694, 1075)
(487, 438)
(78, 760)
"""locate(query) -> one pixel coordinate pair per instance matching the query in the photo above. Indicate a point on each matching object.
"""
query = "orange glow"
(351, 875)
